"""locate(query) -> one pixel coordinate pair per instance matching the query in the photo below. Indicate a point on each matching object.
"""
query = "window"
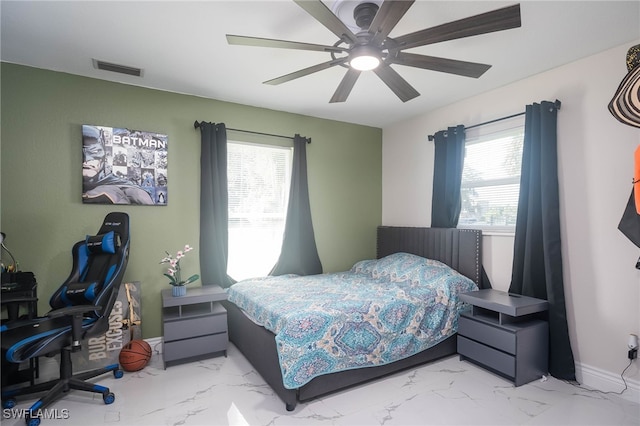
(259, 177)
(491, 176)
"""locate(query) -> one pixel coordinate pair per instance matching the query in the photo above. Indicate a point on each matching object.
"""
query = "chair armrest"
(72, 310)
(76, 313)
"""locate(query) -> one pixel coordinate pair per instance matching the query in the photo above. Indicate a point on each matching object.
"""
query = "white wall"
(595, 152)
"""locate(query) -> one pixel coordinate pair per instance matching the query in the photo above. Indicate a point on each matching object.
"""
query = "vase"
(179, 290)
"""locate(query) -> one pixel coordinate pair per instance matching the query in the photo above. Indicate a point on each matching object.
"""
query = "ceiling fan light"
(363, 58)
(364, 63)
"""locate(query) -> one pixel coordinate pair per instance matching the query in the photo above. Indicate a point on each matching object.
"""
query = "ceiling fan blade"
(345, 86)
(388, 16)
(396, 83)
(497, 20)
(280, 44)
(451, 66)
(306, 71)
(323, 14)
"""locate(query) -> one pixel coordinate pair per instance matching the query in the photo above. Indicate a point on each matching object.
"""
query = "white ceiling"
(181, 47)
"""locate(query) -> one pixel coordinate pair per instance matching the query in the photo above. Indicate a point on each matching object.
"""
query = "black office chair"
(80, 309)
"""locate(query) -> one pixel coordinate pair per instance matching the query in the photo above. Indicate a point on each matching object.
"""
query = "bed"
(460, 249)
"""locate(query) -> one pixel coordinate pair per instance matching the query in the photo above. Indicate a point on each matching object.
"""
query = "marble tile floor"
(227, 391)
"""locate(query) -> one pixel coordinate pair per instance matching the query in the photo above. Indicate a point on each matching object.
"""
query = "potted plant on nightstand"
(174, 272)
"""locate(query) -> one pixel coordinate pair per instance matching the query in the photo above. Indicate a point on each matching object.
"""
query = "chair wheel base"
(108, 398)
(8, 403)
(31, 421)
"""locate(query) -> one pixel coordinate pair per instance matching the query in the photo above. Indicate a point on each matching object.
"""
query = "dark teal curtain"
(537, 261)
(214, 201)
(299, 254)
(447, 177)
(446, 201)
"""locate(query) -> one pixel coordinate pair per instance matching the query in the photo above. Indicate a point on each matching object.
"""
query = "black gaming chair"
(80, 309)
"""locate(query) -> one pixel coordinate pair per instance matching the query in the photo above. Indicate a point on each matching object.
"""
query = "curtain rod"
(196, 124)
(557, 103)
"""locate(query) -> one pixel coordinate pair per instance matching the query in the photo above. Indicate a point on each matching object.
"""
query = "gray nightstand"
(505, 333)
(195, 325)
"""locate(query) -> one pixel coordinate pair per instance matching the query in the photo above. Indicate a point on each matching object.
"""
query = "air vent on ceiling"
(122, 69)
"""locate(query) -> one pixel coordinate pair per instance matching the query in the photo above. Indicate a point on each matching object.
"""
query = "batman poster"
(122, 166)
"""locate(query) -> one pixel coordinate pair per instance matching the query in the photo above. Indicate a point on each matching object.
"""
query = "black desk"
(19, 289)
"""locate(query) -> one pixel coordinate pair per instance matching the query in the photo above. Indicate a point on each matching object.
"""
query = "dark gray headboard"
(459, 248)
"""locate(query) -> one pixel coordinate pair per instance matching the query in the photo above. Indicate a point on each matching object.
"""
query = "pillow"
(80, 293)
(397, 266)
(103, 243)
(404, 267)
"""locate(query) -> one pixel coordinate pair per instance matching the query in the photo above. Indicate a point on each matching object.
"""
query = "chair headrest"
(103, 243)
(119, 223)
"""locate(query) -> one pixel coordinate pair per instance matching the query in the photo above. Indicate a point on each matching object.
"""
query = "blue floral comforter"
(377, 313)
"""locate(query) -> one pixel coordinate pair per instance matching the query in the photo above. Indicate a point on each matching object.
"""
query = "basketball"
(135, 355)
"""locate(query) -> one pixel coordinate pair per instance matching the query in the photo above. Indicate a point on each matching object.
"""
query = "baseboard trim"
(156, 352)
(606, 381)
(155, 343)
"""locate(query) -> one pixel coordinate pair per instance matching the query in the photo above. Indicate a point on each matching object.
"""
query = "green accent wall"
(41, 210)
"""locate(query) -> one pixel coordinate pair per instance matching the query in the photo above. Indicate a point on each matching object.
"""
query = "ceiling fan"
(372, 48)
